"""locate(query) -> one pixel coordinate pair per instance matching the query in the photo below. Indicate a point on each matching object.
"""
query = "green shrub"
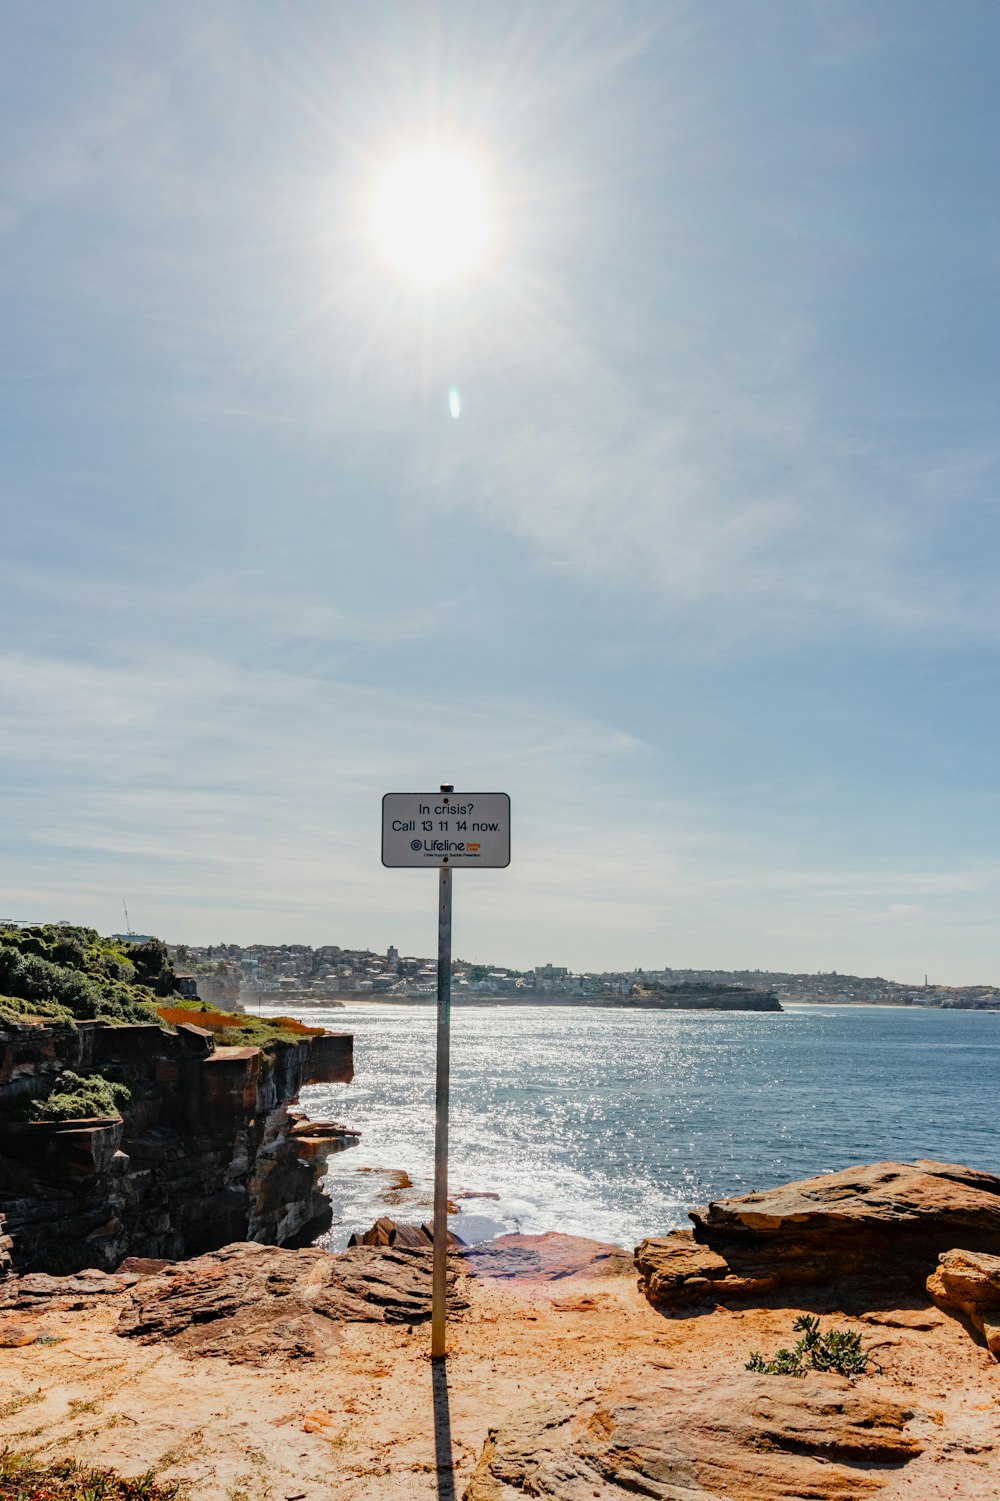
(14, 1009)
(837, 1350)
(72, 972)
(75, 1098)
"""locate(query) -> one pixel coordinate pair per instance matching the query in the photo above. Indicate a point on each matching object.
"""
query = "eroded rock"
(885, 1223)
(249, 1302)
(39, 1290)
(389, 1232)
(969, 1282)
(207, 1152)
(745, 1437)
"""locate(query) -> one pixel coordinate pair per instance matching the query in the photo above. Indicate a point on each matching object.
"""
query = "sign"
(446, 828)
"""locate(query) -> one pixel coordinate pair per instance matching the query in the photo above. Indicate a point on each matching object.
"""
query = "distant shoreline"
(583, 1004)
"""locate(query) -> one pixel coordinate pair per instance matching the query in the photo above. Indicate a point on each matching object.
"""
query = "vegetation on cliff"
(69, 974)
(237, 1028)
(75, 1098)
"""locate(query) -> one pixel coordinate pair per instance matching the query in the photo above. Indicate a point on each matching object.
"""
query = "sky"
(704, 573)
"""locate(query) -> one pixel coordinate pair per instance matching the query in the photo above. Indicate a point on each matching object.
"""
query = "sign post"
(441, 1097)
(444, 829)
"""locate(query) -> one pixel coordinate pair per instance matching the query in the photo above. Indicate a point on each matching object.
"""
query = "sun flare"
(430, 215)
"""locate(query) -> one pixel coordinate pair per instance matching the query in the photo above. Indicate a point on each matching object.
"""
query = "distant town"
(266, 973)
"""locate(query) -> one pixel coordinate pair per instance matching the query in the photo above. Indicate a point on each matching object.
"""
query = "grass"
(236, 1028)
(24, 1477)
(837, 1350)
(14, 1404)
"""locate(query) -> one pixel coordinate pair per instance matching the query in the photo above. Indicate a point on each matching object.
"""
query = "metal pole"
(441, 1115)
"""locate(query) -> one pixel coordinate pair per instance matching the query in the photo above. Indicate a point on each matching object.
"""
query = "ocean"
(612, 1124)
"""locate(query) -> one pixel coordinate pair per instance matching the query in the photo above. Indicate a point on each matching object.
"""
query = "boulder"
(885, 1223)
(389, 1232)
(742, 1436)
(969, 1282)
(675, 1269)
(249, 1302)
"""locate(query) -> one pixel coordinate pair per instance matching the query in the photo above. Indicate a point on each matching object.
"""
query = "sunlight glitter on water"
(612, 1124)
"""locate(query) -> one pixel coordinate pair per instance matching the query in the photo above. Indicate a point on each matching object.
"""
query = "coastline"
(348, 1405)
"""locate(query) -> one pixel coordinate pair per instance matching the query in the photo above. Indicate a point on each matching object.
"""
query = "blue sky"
(704, 575)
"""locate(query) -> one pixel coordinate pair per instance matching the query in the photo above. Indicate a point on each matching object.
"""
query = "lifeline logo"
(439, 846)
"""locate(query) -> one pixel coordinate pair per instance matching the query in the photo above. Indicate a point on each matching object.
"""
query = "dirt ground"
(378, 1421)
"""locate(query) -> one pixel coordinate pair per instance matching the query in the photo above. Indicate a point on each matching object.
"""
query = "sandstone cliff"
(206, 1152)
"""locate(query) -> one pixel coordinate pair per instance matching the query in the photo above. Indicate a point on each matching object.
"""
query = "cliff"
(206, 1150)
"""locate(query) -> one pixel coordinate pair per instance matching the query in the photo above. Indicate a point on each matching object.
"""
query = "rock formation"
(748, 1438)
(246, 1303)
(693, 995)
(885, 1223)
(969, 1282)
(388, 1232)
(522, 1258)
(207, 1152)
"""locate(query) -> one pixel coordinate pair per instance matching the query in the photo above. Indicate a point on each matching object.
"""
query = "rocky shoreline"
(575, 1370)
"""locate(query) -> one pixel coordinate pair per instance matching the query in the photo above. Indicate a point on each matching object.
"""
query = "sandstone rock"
(745, 1437)
(545, 1258)
(884, 1223)
(14, 1335)
(969, 1281)
(39, 1290)
(250, 1302)
(675, 1269)
(388, 1232)
(907, 1207)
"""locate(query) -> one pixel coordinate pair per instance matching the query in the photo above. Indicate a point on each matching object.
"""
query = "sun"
(430, 215)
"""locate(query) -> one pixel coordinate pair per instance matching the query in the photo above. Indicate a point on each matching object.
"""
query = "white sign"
(446, 828)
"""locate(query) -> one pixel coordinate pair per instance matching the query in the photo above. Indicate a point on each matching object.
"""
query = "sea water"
(613, 1123)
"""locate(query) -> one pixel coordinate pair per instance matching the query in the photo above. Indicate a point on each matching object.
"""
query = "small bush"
(74, 1098)
(837, 1350)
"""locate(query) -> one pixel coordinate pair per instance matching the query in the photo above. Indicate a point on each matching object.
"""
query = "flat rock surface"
(696, 1439)
(249, 1302)
(38, 1289)
(371, 1418)
(545, 1258)
(884, 1199)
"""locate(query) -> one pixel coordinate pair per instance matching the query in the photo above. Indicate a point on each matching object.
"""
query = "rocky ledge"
(208, 1151)
(876, 1233)
(747, 1438)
